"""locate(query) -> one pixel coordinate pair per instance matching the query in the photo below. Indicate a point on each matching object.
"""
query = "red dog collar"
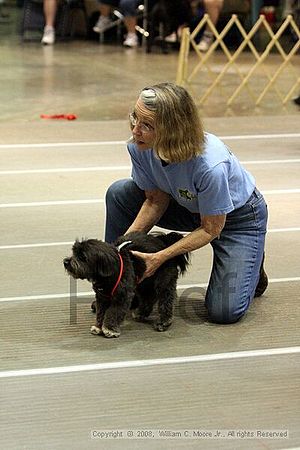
(120, 275)
(121, 267)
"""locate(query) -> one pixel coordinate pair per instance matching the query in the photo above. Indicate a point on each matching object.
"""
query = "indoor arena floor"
(198, 385)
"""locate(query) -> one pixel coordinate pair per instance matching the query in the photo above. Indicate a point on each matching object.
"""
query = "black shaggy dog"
(115, 273)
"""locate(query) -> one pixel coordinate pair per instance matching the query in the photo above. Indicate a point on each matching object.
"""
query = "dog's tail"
(181, 260)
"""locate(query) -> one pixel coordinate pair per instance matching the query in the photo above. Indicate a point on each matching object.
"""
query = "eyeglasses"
(144, 127)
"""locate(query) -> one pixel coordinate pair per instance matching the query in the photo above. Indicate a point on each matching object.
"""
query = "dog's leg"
(115, 314)
(165, 310)
(101, 306)
(166, 296)
(113, 318)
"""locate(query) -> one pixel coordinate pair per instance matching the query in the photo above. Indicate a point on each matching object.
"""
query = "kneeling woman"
(186, 180)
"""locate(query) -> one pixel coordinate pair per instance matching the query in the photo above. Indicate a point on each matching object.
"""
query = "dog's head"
(92, 259)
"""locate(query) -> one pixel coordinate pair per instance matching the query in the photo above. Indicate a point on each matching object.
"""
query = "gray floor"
(59, 384)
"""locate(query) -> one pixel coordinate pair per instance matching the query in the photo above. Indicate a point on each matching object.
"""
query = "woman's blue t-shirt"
(212, 183)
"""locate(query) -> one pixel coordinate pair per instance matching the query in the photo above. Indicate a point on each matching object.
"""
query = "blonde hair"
(179, 134)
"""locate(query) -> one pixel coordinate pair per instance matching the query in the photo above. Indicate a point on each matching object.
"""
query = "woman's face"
(142, 125)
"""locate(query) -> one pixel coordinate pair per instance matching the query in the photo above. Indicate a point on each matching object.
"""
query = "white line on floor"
(67, 243)
(180, 287)
(247, 137)
(43, 244)
(270, 161)
(289, 448)
(52, 203)
(280, 191)
(283, 230)
(68, 170)
(271, 280)
(121, 168)
(95, 200)
(96, 143)
(63, 144)
(150, 362)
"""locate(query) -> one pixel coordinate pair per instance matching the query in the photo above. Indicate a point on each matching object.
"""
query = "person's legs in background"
(129, 8)
(50, 8)
(180, 16)
(4, 16)
(104, 20)
(213, 9)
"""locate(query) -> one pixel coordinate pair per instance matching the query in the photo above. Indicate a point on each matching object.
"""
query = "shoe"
(131, 40)
(172, 38)
(206, 41)
(296, 100)
(262, 282)
(48, 36)
(102, 24)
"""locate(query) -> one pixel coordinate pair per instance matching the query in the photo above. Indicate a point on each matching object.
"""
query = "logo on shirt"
(186, 194)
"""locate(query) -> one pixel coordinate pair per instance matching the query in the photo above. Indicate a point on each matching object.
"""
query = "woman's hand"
(152, 260)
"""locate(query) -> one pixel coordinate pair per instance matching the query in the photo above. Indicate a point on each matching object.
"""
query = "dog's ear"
(106, 264)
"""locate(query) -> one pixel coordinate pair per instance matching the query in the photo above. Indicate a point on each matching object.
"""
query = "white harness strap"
(119, 247)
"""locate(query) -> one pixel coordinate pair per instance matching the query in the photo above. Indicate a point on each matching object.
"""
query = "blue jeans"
(238, 252)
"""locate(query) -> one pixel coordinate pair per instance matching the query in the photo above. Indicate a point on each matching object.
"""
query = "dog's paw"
(93, 306)
(162, 326)
(110, 333)
(95, 330)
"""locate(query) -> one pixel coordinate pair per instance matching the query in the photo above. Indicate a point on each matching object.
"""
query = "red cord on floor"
(59, 116)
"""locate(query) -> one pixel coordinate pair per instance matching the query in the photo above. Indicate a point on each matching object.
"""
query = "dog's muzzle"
(74, 269)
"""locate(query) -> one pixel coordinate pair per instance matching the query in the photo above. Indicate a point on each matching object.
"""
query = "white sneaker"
(103, 24)
(131, 40)
(206, 41)
(171, 38)
(48, 36)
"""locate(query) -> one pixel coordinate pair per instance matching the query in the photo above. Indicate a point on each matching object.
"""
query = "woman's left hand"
(152, 260)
